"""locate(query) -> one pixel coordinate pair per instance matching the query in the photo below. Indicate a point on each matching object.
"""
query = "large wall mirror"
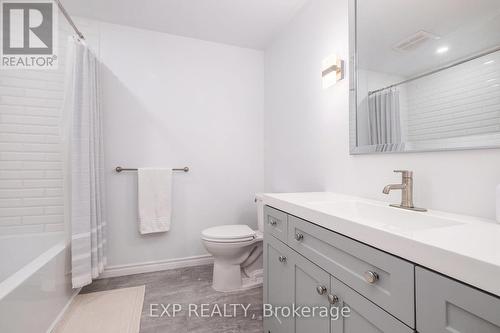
(425, 75)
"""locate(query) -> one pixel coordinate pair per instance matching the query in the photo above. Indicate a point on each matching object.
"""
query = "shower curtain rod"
(496, 49)
(68, 18)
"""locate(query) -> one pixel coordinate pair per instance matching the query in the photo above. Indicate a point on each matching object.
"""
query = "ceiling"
(465, 27)
(245, 23)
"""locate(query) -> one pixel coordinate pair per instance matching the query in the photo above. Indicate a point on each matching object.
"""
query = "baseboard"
(63, 310)
(156, 266)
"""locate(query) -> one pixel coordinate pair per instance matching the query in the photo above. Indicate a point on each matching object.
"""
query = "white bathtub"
(35, 283)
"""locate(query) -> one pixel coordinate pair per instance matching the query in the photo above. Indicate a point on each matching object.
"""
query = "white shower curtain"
(86, 179)
(384, 120)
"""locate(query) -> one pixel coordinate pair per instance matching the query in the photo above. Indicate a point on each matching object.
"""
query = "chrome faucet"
(406, 188)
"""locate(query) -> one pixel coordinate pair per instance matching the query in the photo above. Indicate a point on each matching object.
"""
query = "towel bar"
(120, 169)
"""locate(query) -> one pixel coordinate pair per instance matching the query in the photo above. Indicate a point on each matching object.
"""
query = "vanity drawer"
(351, 262)
(445, 305)
(275, 223)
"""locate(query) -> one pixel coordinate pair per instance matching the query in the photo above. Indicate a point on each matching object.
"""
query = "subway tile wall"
(463, 101)
(31, 151)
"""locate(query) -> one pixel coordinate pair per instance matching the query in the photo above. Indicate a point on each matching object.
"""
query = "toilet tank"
(260, 211)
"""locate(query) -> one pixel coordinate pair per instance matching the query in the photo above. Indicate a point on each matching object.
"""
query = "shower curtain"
(384, 120)
(85, 163)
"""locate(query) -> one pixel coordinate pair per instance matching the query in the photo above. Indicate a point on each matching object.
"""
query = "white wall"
(307, 129)
(172, 102)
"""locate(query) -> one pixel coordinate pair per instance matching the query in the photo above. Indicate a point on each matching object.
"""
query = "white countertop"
(462, 247)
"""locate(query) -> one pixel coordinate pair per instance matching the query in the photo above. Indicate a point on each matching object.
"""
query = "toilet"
(237, 252)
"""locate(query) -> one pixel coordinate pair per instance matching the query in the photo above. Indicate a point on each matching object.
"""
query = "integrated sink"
(383, 216)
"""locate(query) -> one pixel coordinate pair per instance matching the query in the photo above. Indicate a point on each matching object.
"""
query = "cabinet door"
(364, 316)
(293, 281)
(447, 306)
(278, 283)
(311, 289)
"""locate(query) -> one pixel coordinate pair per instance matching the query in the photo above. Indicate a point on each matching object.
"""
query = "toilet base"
(228, 278)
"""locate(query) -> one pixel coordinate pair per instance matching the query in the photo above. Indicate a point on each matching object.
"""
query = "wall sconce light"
(332, 70)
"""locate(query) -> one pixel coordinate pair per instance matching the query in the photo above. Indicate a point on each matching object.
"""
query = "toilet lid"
(238, 232)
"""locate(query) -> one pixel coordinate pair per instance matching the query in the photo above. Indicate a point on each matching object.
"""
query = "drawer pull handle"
(371, 277)
(282, 259)
(321, 290)
(273, 223)
(333, 299)
(299, 237)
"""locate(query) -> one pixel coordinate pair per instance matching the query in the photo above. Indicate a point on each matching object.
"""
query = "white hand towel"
(155, 200)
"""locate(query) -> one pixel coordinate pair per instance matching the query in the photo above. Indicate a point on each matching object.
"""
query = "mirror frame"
(354, 149)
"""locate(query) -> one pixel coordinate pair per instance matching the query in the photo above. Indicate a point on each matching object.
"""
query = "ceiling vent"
(414, 41)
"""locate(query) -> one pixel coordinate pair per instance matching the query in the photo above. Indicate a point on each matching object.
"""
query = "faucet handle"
(405, 173)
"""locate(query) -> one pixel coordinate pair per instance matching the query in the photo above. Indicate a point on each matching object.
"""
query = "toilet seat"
(229, 234)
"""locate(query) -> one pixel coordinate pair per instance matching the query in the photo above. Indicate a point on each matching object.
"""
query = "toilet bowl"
(237, 252)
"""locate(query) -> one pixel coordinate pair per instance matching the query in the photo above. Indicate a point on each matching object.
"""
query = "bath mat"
(110, 311)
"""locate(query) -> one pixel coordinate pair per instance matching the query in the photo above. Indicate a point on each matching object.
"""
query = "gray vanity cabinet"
(448, 306)
(306, 264)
